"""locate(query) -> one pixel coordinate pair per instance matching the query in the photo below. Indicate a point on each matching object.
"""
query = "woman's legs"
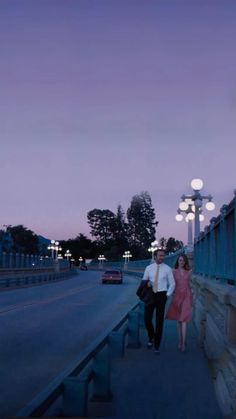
(179, 331)
(183, 334)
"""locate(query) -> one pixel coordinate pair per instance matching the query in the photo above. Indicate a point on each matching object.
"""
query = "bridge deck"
(170, 385)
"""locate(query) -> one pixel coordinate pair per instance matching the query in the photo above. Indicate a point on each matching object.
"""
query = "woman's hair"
(186, 262)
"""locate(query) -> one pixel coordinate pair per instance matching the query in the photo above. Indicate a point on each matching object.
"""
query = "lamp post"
(192, 206)
(101, 259)
(80, 260)
(54, 247)
(189, 219)
(57, 248)
(127, 255)
(68, 255)
(153, 248)
(51, 247)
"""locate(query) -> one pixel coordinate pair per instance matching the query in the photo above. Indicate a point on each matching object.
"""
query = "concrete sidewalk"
(172, 385)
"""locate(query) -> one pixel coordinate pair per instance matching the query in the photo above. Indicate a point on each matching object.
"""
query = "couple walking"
(158, 283)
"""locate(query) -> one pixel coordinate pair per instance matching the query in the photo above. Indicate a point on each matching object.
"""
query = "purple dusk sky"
(103, 99)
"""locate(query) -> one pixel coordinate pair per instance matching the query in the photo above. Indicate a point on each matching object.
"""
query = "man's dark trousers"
(159, 302)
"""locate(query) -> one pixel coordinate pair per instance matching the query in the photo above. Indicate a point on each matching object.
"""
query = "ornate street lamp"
(68, 254)
(153, 247)
(189, 212)
(54, 247)
(192, 206)
(101, 259)
(127, 255)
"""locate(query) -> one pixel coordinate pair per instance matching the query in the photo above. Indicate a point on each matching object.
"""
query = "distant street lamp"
(153, 247)
(80, 260)
(127, 255)
(101, 259)
(68, 254)
(54, 247)
(191, 205)
(57, 249)
(51, 247)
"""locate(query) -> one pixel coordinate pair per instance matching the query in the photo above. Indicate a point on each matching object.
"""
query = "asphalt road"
(44, 328)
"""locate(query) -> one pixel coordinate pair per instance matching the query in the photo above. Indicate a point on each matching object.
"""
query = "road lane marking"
(48, 301)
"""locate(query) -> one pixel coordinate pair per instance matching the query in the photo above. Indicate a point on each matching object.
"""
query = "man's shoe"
(149, 344)
(157, 350)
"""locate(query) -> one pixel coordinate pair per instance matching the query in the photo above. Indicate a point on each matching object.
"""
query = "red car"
(113, 276)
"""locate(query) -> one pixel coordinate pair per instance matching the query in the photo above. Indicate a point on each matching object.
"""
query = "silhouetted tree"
(172, 245)
(120, 235)
(141, 231)
(80, 246)
(103, 225)
(162, 242)
(24, 240)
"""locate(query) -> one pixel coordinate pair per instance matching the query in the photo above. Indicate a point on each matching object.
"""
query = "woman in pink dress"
(180, 308)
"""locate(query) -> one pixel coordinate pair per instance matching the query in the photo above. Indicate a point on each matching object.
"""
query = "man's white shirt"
(166, 280)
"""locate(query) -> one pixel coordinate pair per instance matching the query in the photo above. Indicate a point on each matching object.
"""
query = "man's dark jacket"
(145, 293)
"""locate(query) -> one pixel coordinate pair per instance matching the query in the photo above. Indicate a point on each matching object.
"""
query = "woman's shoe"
(157, 350)
(150, 344)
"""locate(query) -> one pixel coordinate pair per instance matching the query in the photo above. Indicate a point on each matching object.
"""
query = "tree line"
(112, 233)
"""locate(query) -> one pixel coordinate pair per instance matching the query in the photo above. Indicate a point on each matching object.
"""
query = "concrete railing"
(68, 395)
(214, 314)
(27, 278)
(215, 318)
(19, 269)
(21, 260)
(215, 248)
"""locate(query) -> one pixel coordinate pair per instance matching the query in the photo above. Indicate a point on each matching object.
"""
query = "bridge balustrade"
(214, 314)
(215, 248)
(18, 269)
(20, 260)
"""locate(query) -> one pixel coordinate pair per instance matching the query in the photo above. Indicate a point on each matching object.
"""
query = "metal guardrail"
(92, 365)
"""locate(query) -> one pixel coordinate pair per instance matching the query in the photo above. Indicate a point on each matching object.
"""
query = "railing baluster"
(101, 382)
(75, 396)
